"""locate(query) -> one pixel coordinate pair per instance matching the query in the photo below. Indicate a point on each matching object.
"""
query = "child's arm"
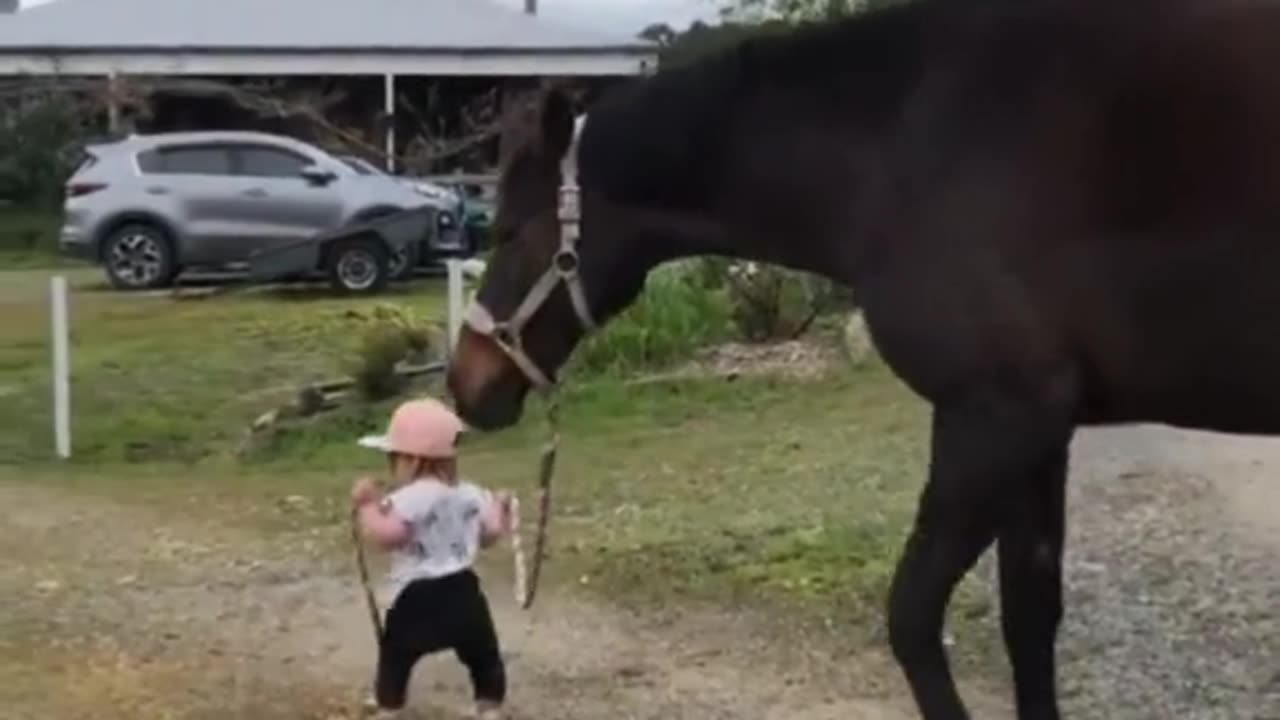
(379, 522)
(496, 520)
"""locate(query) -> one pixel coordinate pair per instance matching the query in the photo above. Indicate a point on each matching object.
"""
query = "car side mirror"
(316, 175)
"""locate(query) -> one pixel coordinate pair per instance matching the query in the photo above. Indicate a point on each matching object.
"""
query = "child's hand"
(504, 499)
(496, 519)
(363, 492)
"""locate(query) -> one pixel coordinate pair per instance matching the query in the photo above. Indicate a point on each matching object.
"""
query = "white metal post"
(113, 101)
(454, 267)
(459, 272)
(61, 366)
(389, 108)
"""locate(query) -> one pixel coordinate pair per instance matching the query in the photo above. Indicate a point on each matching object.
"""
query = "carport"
(387, 38)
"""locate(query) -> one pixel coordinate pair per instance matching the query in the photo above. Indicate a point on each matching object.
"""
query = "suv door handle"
(255, 192)
(158, 190)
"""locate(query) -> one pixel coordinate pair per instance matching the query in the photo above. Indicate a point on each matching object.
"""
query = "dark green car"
(477, 216)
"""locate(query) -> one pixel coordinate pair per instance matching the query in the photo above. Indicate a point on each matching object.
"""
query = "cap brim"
(375, 442)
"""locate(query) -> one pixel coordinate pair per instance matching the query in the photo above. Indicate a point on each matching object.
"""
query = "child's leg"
(477, 648)
(391, 683)
(412, 631)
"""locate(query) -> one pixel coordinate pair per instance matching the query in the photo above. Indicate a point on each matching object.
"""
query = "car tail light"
(81, 189)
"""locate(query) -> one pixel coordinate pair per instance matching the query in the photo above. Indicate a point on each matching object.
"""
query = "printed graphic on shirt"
(446, 529)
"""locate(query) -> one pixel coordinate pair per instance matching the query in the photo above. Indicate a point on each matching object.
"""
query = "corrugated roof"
(231, 25)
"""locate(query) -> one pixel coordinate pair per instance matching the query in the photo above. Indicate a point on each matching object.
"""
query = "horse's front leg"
(985, 449)
(1030, 547)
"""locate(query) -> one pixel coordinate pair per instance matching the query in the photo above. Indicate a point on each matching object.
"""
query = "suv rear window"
(186, 160)
(269, 162)
(84, 161)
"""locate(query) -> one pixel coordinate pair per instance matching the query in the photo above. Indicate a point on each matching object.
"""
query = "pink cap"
(424, 428)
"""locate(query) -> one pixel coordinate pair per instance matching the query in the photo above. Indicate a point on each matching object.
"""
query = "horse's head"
(544, 289)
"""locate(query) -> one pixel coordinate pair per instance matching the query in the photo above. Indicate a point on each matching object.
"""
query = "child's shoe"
(489, 711)
(370, 710)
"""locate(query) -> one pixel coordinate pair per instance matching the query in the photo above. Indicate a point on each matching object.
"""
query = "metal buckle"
(569, 209)
(502, 334)
(566, 263)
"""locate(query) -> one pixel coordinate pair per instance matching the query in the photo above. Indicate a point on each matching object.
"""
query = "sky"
(626, 16)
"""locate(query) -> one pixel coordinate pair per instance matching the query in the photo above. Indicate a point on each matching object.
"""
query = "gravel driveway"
(1173, 577)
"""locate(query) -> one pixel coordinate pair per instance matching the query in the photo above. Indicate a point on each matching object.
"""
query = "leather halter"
(508, 334)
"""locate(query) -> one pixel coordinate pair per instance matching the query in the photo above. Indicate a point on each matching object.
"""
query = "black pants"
(428, 616)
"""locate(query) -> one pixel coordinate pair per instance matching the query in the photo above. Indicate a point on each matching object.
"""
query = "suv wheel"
(400, 264)
(360, 266)
(403, 262)
(139, 256)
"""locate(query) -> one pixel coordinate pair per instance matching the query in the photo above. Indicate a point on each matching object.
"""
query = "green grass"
(159, 378)
(787, 495)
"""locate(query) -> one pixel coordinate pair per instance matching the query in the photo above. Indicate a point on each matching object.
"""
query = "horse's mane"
(663, 140)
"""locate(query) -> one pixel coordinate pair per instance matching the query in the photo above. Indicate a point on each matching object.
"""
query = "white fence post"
(454, 267)
(60, 328)
(459, 272)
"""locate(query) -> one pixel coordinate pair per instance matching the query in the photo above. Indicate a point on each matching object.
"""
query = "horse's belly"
(1223, 386)
(1181, 329)
(1224, 412)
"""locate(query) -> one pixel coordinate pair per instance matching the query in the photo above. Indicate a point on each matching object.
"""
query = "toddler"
(433, 525)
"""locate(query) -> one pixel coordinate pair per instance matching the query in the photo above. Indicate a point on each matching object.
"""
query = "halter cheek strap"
(508, 334)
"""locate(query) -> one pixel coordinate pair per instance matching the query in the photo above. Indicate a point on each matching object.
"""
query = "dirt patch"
(153, 618)
(1172, 612)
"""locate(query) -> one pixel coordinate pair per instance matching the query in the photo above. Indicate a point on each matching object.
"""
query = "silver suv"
(150, 206)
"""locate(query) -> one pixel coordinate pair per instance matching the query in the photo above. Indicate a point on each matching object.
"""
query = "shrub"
(40, 140)
(383, 348)
(769, 302)
(418, 334)
(674, 317)
(856, 341)
(394, 336)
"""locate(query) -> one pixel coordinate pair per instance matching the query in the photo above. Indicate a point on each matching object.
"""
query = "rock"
(265, 421)
(856, 341)
(295, 503)
(48, 586)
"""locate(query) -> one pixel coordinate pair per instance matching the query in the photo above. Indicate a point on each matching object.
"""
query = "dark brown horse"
(1055, 213)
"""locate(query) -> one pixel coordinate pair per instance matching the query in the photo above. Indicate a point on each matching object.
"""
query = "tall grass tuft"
(393, 335)
(673, 318)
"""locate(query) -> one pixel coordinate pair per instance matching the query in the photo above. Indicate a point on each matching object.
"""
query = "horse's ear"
(557, 122)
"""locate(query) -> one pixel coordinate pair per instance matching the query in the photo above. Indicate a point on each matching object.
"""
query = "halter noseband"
(507, 334)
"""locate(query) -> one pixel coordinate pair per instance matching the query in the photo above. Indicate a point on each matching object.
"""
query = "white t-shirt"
(446, 529)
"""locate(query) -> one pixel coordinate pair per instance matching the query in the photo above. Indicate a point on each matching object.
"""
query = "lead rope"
(526, 584)
(375, 615)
